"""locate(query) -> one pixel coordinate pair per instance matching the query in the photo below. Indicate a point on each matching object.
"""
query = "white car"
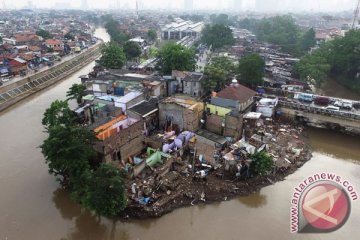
(332, 108)
(344, 104)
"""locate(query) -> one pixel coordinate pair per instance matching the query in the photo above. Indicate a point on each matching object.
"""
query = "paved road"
(202, 61)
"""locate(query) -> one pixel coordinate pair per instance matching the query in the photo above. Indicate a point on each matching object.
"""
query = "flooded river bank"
(33, 207)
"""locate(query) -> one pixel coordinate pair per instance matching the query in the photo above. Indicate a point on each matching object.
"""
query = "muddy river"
(33, 207)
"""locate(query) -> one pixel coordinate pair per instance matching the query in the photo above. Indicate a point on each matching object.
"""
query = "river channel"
(33, 207)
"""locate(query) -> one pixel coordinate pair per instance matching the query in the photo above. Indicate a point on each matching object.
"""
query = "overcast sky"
(291, 5)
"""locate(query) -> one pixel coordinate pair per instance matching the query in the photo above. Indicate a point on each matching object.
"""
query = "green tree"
(1, 40)
(68, 151)
(251, 70)
(175, 57)
(308, 40)
(112, 56)
(249, 24)
(69, 36)
(107, 191)
(50, 50)
(343, 55)
(76, 91)
(261, 163)
(131, 50)
(313, 66)
(153, 52)
(112, 27)
(44, 34)
(217, 36)
(279, 30)
(152, 35)
(217, 73)
(58, 114)
(221, 19)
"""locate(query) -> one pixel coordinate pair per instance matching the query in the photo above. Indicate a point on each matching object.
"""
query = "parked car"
(356, 105)
(344, 104)
(306, 97)
(320, 100)
(332, 108)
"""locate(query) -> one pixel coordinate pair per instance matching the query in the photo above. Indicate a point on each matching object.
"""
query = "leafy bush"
(261, 162)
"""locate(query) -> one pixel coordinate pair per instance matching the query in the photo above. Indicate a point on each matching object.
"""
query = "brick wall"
(205, 147)
(192, 120)
(173, 111)
(213, 123)
(128, 141)
(233, 126)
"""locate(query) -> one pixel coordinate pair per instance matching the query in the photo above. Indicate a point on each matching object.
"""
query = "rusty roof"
(236, 92)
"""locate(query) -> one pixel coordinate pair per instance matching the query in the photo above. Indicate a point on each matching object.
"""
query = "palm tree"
(76, 91)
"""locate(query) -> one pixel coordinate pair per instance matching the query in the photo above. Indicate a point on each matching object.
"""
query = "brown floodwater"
(33, 207)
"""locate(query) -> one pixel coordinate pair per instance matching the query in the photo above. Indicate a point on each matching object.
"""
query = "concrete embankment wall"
(17, 91)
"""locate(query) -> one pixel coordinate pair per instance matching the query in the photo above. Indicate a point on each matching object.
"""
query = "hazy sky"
(292, 5)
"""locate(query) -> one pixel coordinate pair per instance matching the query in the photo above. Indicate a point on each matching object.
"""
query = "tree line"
(282, 31)
(338, 58)
(249, 70)
(120, 49)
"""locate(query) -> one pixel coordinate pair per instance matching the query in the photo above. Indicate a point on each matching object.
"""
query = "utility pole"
(356, 14)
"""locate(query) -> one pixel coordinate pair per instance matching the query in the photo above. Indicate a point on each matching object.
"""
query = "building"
(147, 111)
(9, 41)
(208, 144)
(223, 121)
(121, 137)
(266, 107)
(192, 84)
(180, 29)
(189, 83)
(236, 97)
(155, 88)
(181, 114)
(18, 65)
(129, 100)
(55, 44)
(139, 41)
(27, 39)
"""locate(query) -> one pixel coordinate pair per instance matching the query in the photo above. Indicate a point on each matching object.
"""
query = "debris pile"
(180, 176)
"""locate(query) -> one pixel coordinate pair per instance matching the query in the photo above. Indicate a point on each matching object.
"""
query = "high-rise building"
(237, 5)
(188, 4)
(266, 5)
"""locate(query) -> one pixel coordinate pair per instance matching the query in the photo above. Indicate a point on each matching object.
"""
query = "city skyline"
(231, 5)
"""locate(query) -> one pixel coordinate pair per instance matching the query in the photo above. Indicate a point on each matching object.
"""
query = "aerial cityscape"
(186, 119)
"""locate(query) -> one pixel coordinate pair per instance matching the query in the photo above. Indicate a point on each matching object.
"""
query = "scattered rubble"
(186, 178)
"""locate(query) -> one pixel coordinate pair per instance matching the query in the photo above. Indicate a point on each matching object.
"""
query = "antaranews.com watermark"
(321, 203)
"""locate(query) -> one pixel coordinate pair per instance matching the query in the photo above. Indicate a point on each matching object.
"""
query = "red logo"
(325, 207)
